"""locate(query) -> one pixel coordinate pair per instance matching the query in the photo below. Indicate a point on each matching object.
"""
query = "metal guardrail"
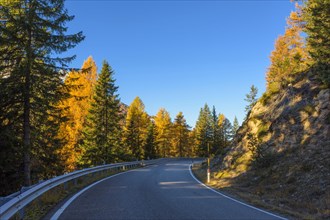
(18, 202)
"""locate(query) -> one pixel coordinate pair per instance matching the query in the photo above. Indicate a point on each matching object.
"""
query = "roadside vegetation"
(55, 118)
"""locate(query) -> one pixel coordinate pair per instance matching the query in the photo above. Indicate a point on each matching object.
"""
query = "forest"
(56, 119)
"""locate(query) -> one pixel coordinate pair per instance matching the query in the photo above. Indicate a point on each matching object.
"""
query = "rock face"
(293, 132)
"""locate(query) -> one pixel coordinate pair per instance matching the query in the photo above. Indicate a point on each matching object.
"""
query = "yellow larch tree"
(164, 127)
(136, 128)
(290, 55)
(76, 106)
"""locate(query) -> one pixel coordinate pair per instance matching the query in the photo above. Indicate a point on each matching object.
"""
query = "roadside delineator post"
(208, 163)
(208, 171)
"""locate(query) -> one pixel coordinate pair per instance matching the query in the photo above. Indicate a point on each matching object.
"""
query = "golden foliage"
(136, 128)
(163, 129)
(290, 54)
(76, 108)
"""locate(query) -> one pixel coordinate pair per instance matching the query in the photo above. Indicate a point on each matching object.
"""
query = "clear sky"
(180, 55)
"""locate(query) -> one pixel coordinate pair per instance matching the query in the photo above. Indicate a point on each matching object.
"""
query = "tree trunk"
(27, 130)
(27, 105)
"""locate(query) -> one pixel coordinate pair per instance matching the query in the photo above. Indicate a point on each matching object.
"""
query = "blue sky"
(180, 55)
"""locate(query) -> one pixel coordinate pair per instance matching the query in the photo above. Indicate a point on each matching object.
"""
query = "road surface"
(163, 191)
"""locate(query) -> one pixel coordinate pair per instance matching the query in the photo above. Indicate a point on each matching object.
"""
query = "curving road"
(163, 191)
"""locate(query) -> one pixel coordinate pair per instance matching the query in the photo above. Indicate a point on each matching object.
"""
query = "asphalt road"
(163, 191)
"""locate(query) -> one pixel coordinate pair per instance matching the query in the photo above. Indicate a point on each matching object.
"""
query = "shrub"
(264, 99)
(309, 109)
(274, 88)
(260, 157)
(263, 130)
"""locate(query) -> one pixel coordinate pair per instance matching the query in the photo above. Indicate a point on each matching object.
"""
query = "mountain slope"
(281, 153)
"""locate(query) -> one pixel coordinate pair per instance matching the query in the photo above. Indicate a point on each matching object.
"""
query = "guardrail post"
(21, 213)
(65, 186)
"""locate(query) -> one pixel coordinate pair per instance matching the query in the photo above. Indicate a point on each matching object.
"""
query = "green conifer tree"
(251, 98)
(225, 131)
(181, 132)
(102, 129)
(150, 144)
(216, 133)
(32, 36)
(203, 131)
(235, 127)
(316, 14)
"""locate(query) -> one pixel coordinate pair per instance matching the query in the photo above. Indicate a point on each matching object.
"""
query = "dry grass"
(268, 196)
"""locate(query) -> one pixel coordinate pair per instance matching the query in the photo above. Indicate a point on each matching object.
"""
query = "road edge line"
(235, 200)
(59, 212)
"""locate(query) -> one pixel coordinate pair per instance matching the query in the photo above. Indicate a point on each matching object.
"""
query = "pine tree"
(102, 128)
(181, 136)
(225, 131)
(316, 15)
(251, 98)
(135, 131)
(163, 127)
(235, 127)
(30, 44)
(203, 131)
(216, 132)
(81, 85)
(150, 144)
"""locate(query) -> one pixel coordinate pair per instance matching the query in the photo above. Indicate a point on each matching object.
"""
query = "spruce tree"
(235, 127)
(251, 98)
(102, 129)
(32, 36)
(216, 133)
(225, 131)
(316, 14)
(203, 131)
(181, 136)
(150, 144)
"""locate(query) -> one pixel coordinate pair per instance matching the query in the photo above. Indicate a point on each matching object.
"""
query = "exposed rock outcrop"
(293, 132)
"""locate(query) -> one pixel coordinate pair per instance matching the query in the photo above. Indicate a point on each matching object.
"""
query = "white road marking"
(65, 205)
(59, 212)
(252, 207)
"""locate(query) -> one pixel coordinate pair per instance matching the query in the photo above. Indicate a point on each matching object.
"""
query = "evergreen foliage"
(316, 14)
(102, 129)
(181, 136)
(32, 37)
(217, 141)
(251, 98)
(151, 144)
(235, 127)
(225, 132)
(203, 131)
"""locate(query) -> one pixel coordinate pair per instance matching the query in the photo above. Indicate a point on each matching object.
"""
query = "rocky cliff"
(282, 151)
